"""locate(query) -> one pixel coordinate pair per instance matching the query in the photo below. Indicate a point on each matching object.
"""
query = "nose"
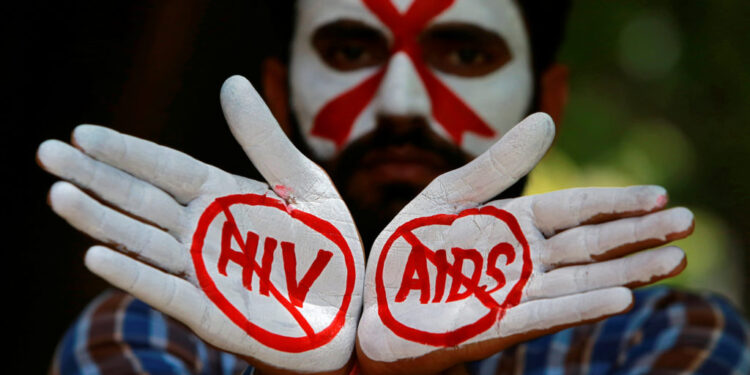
(402, 93)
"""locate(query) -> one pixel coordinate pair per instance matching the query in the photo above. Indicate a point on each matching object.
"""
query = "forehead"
(501, 16)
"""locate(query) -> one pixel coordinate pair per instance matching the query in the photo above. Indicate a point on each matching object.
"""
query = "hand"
(455, 278)
(269, 270)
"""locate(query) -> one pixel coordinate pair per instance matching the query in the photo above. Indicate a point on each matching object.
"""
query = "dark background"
(153, 69)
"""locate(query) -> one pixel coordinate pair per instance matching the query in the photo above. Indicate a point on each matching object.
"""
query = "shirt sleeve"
(688, 333)
(667, 332)
(119, 334)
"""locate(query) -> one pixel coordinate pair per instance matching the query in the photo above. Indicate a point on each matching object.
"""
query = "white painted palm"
(271, 270)
(454, 277)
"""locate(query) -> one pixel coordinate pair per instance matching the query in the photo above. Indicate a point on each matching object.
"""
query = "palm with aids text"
(270, 270)
(456, 277)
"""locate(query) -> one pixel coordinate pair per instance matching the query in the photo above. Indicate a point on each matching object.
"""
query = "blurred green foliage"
(659, 95)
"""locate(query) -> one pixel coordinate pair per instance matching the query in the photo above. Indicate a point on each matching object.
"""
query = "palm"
(269, 270)
(453, 270)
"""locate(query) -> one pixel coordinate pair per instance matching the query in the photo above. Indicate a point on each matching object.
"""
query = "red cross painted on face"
(336, 119)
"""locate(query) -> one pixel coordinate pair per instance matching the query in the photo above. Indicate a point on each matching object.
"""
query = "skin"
(553, 96)
(463, 71)
(364, 187)
(375, 193)
(377, 187)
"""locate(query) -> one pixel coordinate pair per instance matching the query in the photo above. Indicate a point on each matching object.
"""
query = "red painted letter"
(298, 291)
(459, 255)
(441, 262)
(244, 259)
(417, 263)
(502, 248)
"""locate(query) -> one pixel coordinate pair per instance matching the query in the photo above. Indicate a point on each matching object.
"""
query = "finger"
(511, 158)
(172, 171)
(569, 208)
(144, 241)
(110, 184)
(636, 270)
(548, 315)
(167, 293)
(613, 239)
(285, 168)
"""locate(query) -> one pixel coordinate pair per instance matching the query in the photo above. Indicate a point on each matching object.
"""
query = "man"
(388, 95)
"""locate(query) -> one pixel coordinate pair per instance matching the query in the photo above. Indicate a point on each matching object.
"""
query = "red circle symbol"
(496, 309)
(311, 339)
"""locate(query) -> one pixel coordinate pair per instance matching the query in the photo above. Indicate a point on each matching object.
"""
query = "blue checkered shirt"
(666, 332)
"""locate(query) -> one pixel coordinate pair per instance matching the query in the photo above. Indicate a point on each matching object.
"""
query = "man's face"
(391, 93)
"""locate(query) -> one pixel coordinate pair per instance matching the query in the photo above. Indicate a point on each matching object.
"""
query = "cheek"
(501, 99)
(313, 85)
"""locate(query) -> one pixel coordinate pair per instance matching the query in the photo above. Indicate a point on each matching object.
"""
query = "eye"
(463, 50)
(347, 55)
(349, 45)
(467, 56)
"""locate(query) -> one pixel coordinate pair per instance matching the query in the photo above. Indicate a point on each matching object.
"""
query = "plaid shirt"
(666, 332)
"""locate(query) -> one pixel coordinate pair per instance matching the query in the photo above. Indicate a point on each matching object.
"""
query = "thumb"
(507, 161)
(273, 154)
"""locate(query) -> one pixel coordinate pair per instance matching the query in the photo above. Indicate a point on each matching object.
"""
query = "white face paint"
(498, 99)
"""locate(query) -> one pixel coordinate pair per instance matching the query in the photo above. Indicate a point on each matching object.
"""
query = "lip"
(404, 164)
(403, 155)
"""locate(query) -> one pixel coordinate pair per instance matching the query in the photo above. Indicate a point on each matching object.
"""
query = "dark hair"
(545, 21)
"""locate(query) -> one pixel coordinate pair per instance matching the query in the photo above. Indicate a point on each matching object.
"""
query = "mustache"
(397, 132)
(392, 137)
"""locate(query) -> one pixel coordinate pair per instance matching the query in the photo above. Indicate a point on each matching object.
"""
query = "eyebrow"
(346, 28)
(461, 32)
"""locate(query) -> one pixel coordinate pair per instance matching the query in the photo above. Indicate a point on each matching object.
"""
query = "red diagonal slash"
(275, 292)
(217, 211)
(336, 119)
(479, 292)
(496, 309)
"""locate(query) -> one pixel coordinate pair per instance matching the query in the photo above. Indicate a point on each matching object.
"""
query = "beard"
(382, 171)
